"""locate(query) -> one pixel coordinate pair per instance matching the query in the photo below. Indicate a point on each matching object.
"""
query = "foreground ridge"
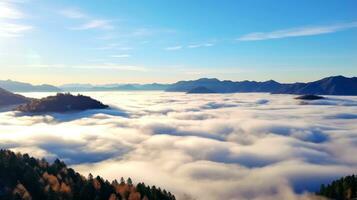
(344, 188)
(25, 177)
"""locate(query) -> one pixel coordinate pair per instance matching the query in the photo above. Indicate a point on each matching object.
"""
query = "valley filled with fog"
(211, 146)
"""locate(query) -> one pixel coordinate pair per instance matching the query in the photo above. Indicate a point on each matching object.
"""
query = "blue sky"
(96, 41)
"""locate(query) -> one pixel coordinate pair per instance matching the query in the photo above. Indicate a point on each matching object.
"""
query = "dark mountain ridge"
(335, 85)
(200, 90)
(61, 103)
(15, 86)
(8, 98)
(114, 87)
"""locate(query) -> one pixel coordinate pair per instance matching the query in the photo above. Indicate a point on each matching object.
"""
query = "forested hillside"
(28, 178)
(343, 189)
(8, 98)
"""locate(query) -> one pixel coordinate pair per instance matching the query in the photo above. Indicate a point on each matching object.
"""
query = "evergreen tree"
(37, 179)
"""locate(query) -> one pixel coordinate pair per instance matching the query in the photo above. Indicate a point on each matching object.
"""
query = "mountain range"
(114, 87)
(15, 86)
(334, 85)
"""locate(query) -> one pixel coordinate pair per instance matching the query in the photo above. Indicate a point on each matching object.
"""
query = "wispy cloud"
(104, 66)
(121, 56)
(95, 24)
(298, 32)
(73, 13)
(143, 32)
(8, 28)
(114, 66)
(91, 23)
(192, 46)
(9, 11)
(114, 46)
(12, 30)
(173, 48)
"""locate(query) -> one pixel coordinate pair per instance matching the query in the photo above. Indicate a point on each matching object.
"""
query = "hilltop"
(61, 103)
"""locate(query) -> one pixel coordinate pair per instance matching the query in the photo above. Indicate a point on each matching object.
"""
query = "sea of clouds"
(204, 147)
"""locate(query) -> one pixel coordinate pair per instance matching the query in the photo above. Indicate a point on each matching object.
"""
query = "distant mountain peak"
(16, 86)
(208, 79)
(200, 90)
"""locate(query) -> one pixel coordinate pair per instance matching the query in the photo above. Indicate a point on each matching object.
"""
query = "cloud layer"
(216, 146)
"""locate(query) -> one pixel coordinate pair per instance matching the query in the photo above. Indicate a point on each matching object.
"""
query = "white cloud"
(115, 46)
(12, 29)
(298, 32)
(173, 48)
(121, 67)
(95, 24)
(144, 32)
(192, 46)
(104, 66)
(9, 14)
(73, 13)
(121, 56)
(218, 144)
(9, 11)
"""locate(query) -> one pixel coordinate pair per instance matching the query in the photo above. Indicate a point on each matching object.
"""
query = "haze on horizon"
(159, 41)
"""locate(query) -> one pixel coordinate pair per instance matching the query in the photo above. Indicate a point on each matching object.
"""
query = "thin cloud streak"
(173, 48)
(107, 66)
(121, 56)
(193, 46)
(73, 13)
(13, 30)
(94, 24)
(114, 46)
(297, 32)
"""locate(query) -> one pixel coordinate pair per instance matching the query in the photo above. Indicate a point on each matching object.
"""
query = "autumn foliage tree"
(24, 177)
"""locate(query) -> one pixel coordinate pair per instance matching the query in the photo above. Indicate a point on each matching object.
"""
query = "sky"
(117, 41)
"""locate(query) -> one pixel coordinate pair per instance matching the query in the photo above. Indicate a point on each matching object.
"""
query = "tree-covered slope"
(343, 189)
(8, 98)
(28, 178)
(62, 102)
